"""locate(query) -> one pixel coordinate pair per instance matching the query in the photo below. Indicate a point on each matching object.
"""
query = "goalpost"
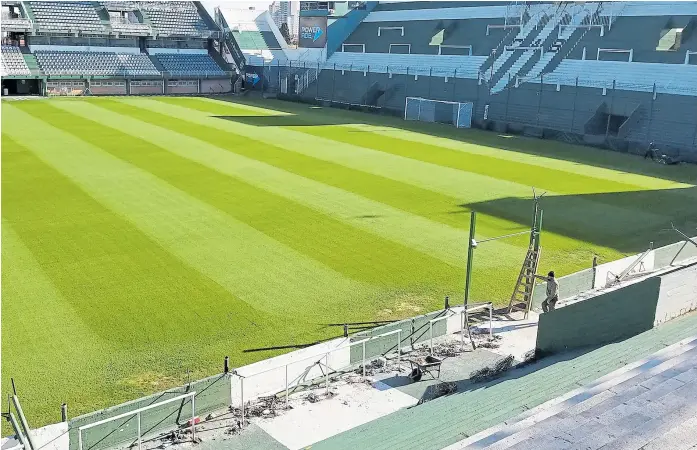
(428, 110)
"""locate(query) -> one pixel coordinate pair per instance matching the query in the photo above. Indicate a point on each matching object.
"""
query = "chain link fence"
(622, 116)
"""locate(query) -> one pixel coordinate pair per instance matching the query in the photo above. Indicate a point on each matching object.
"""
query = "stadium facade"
(615, 74)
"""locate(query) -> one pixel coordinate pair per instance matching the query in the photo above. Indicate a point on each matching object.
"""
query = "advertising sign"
(313, 32)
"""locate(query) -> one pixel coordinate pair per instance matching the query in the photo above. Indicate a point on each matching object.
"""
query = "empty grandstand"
(130, 47)
(575, 71)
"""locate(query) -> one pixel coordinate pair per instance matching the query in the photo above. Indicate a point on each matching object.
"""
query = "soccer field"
(143, 239)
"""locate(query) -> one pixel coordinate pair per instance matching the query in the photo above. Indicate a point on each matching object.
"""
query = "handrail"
(137, 412)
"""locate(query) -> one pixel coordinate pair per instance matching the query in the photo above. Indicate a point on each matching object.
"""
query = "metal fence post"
(653, 99)
(317, 82)
(508, 98)
(573, 111)
(193, 418)
(430, 337)
(399, 347)
(333, 83)
(363, 358)
(430, 77)
(539, 103)
(286, 385)
(242, 397)
(326, 363)
(138, 415)
(406, 84)
(491, 320)
(455, 85)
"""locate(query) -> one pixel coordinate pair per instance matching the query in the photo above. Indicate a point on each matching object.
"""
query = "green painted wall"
(414, 330)
(212, 394)
(609, 317)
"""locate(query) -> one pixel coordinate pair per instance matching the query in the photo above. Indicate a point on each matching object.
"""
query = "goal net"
(427, 110)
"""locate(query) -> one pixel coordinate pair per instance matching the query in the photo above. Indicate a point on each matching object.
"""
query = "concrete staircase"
(650, 404)
(32, 63)
(552, 21)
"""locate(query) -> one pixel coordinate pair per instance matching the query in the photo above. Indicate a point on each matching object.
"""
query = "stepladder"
(521, 299)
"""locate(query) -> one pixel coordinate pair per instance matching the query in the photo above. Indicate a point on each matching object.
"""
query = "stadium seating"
(65, 16)
(174, 18)
(95, 63)
(437, 65)
(13, 61)
(634, 76)
(256, 40)
(187, 64)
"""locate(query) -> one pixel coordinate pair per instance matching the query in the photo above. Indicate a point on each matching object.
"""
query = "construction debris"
(493, 371)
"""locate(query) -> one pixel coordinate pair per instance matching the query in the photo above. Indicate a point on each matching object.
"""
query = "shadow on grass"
(310, 115)
(608, 219)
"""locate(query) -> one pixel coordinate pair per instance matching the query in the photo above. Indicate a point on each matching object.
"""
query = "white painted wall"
(84, 48)
(678, 294)
(182, 51)
(605, 273)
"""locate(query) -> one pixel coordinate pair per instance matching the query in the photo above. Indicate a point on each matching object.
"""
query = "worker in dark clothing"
(651, 153)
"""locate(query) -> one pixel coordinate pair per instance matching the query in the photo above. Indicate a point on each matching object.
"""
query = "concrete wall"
(216, 86)
(569, 286)
(678, 294)
(609, 317)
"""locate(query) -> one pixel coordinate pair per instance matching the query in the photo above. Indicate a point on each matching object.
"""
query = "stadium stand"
(194, 64)
(13, 61)
(66, 16)
(95, 63)
(580, 72)
(114, 48)
(175, 18)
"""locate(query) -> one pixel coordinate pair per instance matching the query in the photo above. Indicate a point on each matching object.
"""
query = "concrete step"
(607, 410)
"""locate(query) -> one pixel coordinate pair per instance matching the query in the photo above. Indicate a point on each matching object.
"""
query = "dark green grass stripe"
(500, 168)
(428, 204)
(346, 249)
(98, 260)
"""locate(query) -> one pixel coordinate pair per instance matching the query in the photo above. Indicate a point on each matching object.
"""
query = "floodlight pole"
(471, 244)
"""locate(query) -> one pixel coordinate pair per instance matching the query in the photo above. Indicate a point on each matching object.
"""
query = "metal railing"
(299, 380)
(136, 413)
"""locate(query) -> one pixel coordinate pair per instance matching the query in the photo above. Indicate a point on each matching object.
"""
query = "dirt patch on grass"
(151, 380)
(404, 305)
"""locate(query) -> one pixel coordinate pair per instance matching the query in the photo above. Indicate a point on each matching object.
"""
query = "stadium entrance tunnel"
(617, 220)
(21, 87)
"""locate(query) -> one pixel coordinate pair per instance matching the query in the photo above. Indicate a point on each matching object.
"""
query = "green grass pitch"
(146, 237)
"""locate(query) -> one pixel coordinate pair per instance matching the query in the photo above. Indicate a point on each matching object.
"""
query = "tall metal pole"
(470, 255)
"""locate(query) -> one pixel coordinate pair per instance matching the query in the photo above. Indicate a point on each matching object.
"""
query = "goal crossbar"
(444, 111)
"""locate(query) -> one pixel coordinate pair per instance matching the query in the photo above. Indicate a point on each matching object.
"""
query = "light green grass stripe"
(456, 183)
(337, 244)
(441, 241)
(628, 178)
(247, 263)
(474, 142)
(462, 185)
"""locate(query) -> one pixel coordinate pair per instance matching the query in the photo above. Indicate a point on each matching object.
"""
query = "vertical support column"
(430, 78)
(471, 244)
(539, 103)
(317, 81)
(286, 385)
(363, 358)
(595, 271)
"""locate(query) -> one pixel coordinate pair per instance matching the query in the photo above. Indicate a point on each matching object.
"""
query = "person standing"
(550, 302)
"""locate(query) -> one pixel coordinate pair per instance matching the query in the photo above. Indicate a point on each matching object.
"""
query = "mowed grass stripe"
(546, 154)
(354, 253)
(438, 240)
(568, 255)
(583, 218)
(43, 336)
(561, 182)
(97, 259)
(454, 181)
(247, 263)
(467, 187)
(425, 203)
